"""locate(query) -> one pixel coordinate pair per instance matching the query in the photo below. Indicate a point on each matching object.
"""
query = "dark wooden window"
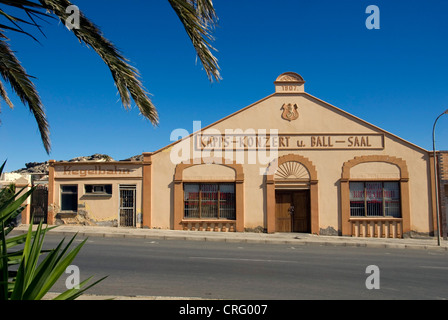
(69, 198)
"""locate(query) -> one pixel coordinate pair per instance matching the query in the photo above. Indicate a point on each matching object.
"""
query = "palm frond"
(32, 10)
(4, 95)
(199, 18)
(206, 11)
(126, 77)
(12, 71)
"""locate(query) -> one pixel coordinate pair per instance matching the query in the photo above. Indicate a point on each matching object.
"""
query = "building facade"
(95, 193)
(289, 162)
(443, 174)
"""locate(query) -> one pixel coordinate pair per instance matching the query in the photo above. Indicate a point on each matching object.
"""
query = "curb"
(52, 295)
(263, 239)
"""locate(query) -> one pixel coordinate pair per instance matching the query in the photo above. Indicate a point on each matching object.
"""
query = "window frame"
(75, 194)
(104, 192)
(383, 199)
(218, 200)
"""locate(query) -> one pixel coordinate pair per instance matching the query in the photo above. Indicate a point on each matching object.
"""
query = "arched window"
(375, 197)
(208, 195)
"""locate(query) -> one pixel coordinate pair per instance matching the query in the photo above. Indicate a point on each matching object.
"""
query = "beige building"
(95, 193)
(289, 162)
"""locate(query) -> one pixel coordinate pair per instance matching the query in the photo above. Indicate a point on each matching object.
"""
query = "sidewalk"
(246, 237)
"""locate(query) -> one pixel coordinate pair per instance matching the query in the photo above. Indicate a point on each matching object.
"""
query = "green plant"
(32, 279)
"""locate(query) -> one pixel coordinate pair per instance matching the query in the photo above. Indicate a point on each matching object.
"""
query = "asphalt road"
(220, 270)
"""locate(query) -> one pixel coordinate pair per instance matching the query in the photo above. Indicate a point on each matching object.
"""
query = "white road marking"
(433, 267)
(242, 259)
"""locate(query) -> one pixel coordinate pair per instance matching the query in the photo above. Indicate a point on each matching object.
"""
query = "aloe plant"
(32, 279)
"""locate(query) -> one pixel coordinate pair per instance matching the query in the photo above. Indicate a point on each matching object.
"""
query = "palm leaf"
(3, 265)
(74, 293)
(126, 77)
(9, 206)
(12, 71)
(34, 279)
(19, 239)
(40, 275)
(32, 10)
(199, 18)
(4, 95)
(31, 280)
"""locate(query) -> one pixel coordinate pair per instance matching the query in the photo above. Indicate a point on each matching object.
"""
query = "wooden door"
(301, 217)
(282, 216)
(292, 211)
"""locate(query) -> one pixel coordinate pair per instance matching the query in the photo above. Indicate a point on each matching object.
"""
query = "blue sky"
(394, 77)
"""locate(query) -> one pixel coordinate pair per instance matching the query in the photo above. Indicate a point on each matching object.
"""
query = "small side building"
(95, 193)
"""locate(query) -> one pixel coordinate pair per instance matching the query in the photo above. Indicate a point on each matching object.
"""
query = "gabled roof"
(294, 78)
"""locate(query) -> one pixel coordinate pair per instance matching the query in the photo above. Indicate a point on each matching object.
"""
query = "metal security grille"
(127, 205)
(209, 200)
(375, 199)
(39, 204)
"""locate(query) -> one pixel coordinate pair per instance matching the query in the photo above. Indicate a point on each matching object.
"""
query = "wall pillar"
(178, 205)
(345, 208)
(405, 205)
(270, 204)
(239, 198)
(314, 203)
(51, 193)
(26, 213)
(147, 190)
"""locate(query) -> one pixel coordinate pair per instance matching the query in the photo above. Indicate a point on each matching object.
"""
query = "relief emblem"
(289, 111)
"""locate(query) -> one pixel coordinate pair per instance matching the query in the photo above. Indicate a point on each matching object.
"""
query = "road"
(220, 270)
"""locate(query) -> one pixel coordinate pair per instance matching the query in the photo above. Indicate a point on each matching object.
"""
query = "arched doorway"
(291, 195)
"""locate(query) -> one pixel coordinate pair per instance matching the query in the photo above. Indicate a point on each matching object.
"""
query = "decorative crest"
(289, 111)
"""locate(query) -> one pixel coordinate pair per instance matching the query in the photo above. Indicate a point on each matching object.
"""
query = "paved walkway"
(248, 237)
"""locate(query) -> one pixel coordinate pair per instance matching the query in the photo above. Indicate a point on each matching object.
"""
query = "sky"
(393, 77)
